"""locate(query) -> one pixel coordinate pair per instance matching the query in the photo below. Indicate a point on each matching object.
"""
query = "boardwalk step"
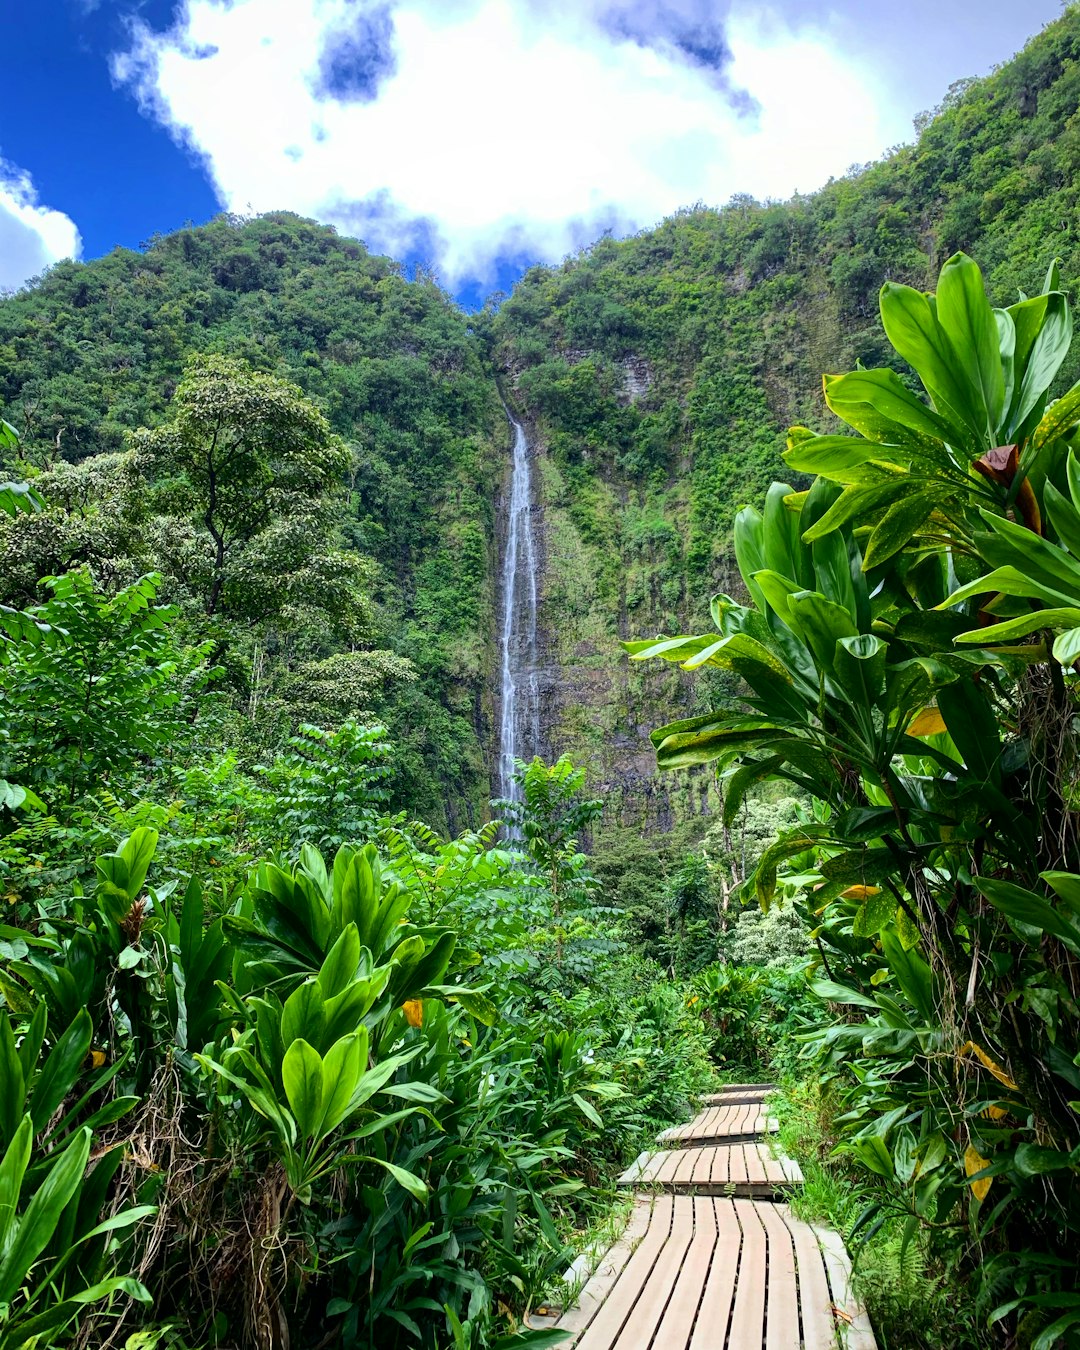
(715, 1273)
(739, 1092)
(715, 1169)
(741, 1121)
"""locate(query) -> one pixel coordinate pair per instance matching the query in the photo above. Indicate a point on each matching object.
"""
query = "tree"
(91, 684)
(251, 469)
(548, 820)
(899, 666)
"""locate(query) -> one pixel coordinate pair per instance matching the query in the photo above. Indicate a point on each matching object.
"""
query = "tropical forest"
(445, 751)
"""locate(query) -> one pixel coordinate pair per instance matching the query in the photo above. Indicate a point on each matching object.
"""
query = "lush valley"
(304, 1042)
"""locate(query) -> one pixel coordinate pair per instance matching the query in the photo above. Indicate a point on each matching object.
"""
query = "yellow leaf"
(929, 722)
(969, 1047)
(97, 1058)
(413, 1008)
(975, 1162)
(995, 1112)
(860, 892)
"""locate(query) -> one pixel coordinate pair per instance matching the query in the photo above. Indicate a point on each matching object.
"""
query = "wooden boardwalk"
(733, 1169)
(724, 1123)
(708, 1263)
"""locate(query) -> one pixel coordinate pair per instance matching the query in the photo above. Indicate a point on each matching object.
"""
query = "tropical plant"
(937, 872)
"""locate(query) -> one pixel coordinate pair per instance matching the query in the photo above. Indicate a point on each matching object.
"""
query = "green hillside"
(96, 350)
(661, 372)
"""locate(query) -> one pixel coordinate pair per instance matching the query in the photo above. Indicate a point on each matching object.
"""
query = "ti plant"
(900, 653)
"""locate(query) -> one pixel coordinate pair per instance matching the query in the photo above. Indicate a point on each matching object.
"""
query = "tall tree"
(248, 473)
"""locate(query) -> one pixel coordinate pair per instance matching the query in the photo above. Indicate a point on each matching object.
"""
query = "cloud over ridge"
(487, 128)
(32, 236)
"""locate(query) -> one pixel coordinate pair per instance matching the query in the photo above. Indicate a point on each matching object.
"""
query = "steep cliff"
(658, 375)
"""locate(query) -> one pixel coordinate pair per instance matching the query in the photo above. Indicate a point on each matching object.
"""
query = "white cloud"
(502, 125)
(32, 237)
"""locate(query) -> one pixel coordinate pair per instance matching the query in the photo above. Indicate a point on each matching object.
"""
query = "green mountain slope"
(661, 372)
(657, 375)
(96, 350)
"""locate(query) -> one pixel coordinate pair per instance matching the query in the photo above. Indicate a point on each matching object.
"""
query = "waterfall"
(519, 705)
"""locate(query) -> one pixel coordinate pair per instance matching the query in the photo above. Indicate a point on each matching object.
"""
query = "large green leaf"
(37, 1225)
(1033, 911)
(1009, 581)
(342, 1070)
(899, 523)
(12, 1170)
(967, 319)
(302, 1077)
(913, 975)
(824, 624)
(912, 326)
(688, 748)
(1048, 348)
(1022, 626)
(835, 457)
(859, 665)
(878, 404)
(61, 1069)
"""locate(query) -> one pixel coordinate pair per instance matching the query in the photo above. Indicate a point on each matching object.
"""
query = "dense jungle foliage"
(363, 581)
(283, 1066)
(907, 658)
(662, 371)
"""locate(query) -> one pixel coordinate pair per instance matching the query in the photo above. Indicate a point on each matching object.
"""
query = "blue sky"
(476, 136)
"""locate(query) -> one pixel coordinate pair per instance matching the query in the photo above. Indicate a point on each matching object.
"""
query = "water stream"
(519, 702)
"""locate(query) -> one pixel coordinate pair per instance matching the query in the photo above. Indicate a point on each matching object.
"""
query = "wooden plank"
(815, 1301)
(608, 1269)
(714, 1310)
(782, 1288)
(662, 1282)
(859, 1334)
(678, 1322)
(747, 1318)
(744, 1121)
(614, 1312)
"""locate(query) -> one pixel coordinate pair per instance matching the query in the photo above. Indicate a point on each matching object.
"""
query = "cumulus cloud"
(32, 237)
(488, 128)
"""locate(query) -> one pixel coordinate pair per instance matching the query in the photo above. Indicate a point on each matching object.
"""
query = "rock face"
(591, 701)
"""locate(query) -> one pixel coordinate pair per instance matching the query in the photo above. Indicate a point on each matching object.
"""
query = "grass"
(915, 1301)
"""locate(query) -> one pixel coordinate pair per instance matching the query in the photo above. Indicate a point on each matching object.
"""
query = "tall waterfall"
(519, 704)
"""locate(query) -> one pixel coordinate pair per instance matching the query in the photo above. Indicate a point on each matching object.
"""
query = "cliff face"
(659, 374)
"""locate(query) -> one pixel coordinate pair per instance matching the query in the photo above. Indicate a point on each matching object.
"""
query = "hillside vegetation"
(662, 372)
(303, 1042)
(96, 351)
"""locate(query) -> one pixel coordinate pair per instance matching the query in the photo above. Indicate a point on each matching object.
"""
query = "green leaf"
(342, 1070)
(833, 457)
(859, 665)
(874, 913)
(1060, 417)
(967, 319)
(897, 526)
(913, 975)
(302, 1077)
(39, 1222)
(1024, 907)
(824, 624)
(304, 1015)
(1067, 647)
(878, 404)
(1009, 581)
(912, 327)
(12, 1170)
(409, 1181)
(1022, 626)
(12, 1081)
(61, 1069)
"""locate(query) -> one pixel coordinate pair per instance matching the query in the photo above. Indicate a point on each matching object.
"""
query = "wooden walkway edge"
(711, 1261)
